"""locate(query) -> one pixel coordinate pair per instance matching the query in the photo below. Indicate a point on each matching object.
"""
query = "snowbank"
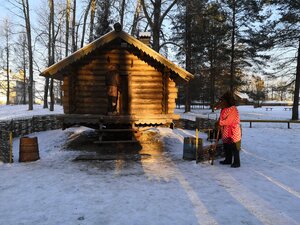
(8, 112)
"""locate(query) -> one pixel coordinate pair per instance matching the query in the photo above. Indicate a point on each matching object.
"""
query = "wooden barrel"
(29, 149)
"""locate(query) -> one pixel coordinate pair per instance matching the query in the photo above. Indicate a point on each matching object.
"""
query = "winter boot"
(228, 155)
(236, 159)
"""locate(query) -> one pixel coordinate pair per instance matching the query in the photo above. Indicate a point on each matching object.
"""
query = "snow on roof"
(241, 95)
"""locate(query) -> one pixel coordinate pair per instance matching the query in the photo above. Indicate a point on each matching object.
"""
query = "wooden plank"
(92, 101)
(138, 79)
(94, 77)
(85, 105)
(103, 63)
(146, 96)
(172, 84)
(145, 106)
(90, 83)
(143, 101)
(145, 111)
(94, 94)
(173, 89)
(146, 85)
(134, 72)
(154, 91)
(90, 88)
(117, 59)
(125, 69)
(173, 95)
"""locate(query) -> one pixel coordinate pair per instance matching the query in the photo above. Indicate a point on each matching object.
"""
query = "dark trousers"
(230, 150)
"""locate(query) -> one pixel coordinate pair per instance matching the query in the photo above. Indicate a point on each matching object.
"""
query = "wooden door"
(123, 98)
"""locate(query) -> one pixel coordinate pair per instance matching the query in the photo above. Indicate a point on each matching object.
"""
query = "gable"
(57, 70)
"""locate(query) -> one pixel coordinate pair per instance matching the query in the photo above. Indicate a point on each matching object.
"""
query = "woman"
(229, 123)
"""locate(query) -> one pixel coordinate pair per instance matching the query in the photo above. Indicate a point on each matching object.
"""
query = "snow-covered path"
(162, 189)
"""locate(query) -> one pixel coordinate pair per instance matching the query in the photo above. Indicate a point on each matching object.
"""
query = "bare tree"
(136, 18)
(25, 7)
(84, 21)
(21, 57)
(93, 10)
(73, 29)
(7, 33)
(68, 9)
(158, 18)
(52, 47)
(122, 12)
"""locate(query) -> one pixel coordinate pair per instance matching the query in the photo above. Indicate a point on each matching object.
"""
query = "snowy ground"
(8, 112)
(162, 189)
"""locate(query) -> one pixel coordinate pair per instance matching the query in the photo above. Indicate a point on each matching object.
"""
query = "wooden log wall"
(147, 92)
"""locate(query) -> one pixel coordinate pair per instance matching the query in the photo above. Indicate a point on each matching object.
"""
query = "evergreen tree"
(207, 49)
(287, 36)
(103, 20)
(245, 18)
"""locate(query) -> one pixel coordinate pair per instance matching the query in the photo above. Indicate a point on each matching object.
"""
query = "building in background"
(17, 86)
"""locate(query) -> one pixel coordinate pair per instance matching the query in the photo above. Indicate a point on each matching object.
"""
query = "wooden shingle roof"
(55, 70)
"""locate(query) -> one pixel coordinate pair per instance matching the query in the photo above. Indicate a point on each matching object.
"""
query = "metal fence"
(20, 127)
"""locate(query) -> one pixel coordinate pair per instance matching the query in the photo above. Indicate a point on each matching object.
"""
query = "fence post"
(32, 125)
(10, 147)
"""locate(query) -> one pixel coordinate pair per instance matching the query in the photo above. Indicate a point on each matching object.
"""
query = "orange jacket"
(230, 125)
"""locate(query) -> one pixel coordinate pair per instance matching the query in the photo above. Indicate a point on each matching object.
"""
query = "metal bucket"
(191, 150)
(29, 149)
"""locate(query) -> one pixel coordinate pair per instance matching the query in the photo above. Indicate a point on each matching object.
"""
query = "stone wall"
(21, 127)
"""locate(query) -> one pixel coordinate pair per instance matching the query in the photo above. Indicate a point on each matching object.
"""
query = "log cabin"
(148, 83)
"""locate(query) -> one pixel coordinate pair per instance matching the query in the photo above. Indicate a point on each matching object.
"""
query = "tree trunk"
(46, 90)
(155, 26)
(7, 73)
(51, 95)
(52, 55)
(84, 22)
(24, 69)
(232, 67)
(188, 55)
(295, 113)
(74, 45)
(67, 26)
(93, 9)
(212, 84)
(25, 5)
(136, 18)
(123, 3)
(7, 48)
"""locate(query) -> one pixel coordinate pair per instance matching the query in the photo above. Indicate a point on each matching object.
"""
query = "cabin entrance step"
(116, 134)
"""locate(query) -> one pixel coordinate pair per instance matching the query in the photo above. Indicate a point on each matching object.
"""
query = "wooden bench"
(285, 109)
(271, 121)
(269, 108)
